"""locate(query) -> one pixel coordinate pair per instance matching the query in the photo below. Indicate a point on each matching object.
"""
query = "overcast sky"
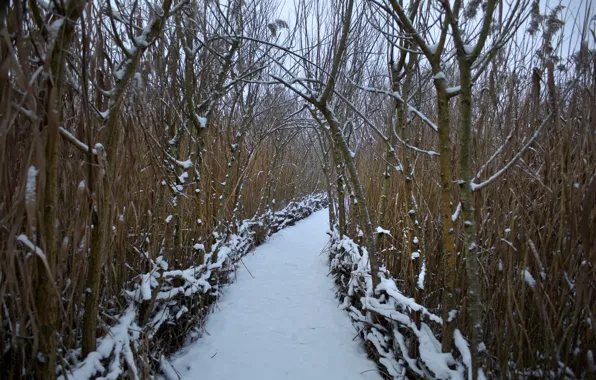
(575, 14)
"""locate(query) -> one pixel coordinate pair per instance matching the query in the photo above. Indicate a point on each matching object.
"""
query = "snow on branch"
(24, 239)
(397, 96)
(382, 231)
(456, 213)
(499, 173)
(290, 85)
(34, 248)
(84, 148)
(115, 346)
(416, 149)
(381, 135)
(497, 152)
(183, 164)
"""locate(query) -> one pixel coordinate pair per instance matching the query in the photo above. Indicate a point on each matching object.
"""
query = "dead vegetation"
(464, 130)
(123, 140)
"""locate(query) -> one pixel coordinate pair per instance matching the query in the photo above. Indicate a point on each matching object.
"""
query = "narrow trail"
(283, 323)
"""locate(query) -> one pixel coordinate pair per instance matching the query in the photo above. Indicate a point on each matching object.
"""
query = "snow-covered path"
(282, 324)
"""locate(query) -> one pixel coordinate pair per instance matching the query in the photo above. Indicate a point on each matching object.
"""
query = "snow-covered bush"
(167, 308)
(384, 322)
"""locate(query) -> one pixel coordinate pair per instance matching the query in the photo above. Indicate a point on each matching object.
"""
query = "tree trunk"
(365, 220)
(470, 253)
(449, 257)
(341, 195)
(412, 225)
(389, 166)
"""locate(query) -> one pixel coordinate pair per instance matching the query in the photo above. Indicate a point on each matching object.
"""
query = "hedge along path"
(283, 323)
(168, 307)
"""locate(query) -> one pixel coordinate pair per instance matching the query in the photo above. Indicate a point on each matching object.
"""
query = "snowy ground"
(283, 323)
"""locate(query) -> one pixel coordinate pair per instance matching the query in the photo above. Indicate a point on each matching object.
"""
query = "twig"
(242, 261)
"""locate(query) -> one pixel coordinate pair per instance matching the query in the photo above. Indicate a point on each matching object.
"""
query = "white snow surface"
(282, 324)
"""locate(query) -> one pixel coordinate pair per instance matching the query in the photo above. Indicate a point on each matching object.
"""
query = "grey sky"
(575, 14)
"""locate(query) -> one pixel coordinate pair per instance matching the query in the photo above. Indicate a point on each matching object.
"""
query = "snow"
(469, 49)
(424, 118)
(98, 148)
(183, 310)
(147, 280)
(117, 341)
(169, 219)
(202, 120)
(70, 137)
(456, 213)
(464, 349)
(430, 352)
(440, 76)
(381, 230)
(29, 244)
(528, 278)
(141, 40)
(160, 262)
(119, 75)
(404, 302)
(56, 25)
(433, 48)
(30, 188)
(284, 322)
(184, 164)
(421, 275)
(167, 370)
(104, 114)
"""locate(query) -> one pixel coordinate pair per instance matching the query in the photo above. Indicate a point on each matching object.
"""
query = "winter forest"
(406, 189)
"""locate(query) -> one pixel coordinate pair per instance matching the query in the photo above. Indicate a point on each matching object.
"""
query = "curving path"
(283, 323)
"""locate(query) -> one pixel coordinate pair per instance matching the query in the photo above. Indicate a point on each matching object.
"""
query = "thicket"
(130, 131)
(485, 195)
(455, 140)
